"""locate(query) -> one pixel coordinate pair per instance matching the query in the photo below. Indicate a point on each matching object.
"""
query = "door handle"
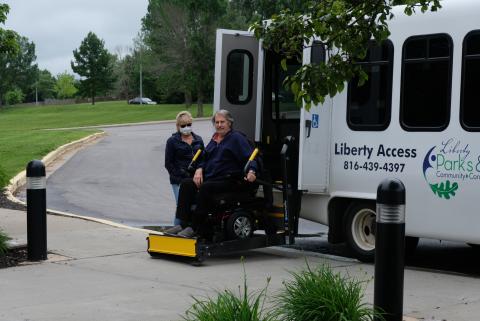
(308, 124)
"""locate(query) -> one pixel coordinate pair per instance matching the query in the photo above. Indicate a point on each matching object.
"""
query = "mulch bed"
(13, 257)
(6, 203)
(18, 255)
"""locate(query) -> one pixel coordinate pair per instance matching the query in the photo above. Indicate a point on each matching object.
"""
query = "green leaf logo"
(444, 189)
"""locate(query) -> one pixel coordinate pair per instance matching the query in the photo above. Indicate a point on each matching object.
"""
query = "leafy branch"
(345, 27)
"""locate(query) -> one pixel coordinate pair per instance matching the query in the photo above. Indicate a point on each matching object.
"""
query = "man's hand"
(251, 177)
(198, 177)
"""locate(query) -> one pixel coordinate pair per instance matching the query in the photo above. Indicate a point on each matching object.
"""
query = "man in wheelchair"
(219, 171)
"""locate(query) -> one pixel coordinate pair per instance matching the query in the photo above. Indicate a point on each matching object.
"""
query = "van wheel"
(239, 226)
(360, 230)
(411, 243)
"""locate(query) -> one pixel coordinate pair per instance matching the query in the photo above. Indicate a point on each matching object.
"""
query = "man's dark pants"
(203, 197)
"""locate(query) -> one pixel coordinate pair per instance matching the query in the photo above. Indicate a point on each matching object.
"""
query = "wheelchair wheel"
(239, 226)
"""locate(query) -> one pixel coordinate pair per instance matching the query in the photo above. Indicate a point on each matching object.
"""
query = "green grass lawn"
(23, 138)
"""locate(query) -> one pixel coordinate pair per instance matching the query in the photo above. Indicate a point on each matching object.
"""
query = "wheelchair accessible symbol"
(315, 120)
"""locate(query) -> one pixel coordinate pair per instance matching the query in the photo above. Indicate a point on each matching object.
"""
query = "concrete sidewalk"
(101, 272)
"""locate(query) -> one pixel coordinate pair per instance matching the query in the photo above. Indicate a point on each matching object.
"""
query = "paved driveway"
(121, 178)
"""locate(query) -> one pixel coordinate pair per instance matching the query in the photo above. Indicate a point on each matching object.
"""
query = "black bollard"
(390, 249)
(36, 211)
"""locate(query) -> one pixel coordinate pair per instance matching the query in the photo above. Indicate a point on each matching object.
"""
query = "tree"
(18, 69)
(253, 10)
(165, 33)
(8, 43)
(65, 86)
(181, 34)
(95, 64)
(345, 27)
(45, 85)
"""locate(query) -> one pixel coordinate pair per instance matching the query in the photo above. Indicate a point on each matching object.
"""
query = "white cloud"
(57, 27)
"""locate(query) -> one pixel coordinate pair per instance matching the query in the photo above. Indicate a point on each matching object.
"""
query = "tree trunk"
(93, 98)
(200, 104)
(188, 99)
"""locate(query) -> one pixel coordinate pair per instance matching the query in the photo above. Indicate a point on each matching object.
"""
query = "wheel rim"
(363, 229)
(242, 227)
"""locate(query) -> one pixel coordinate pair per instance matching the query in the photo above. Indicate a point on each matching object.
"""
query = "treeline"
(174, 54)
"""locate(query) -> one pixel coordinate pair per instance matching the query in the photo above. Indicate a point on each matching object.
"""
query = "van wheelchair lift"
(284, 218)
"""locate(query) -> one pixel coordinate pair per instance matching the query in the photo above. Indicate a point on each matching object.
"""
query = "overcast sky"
(57, 27)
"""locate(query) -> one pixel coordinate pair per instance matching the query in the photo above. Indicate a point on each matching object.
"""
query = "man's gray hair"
(225, 113)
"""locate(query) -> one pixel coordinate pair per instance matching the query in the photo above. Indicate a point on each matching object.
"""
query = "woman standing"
(181, 147)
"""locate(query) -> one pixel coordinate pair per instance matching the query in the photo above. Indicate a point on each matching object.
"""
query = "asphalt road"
(122, 178)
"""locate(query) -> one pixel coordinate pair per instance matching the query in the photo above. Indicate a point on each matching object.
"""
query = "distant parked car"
(143, 100)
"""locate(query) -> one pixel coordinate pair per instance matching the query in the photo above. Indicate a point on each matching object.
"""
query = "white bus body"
(343, 154)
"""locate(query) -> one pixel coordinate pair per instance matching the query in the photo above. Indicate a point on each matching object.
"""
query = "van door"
(315, 133)
(237, 62)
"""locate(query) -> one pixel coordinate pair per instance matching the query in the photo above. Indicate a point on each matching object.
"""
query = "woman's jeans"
(176, 188)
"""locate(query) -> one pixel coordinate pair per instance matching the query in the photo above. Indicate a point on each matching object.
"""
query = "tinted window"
(470, 101)
(318, 52)
(283, 99)
(426, 83)
(239, 77)
(369, 105)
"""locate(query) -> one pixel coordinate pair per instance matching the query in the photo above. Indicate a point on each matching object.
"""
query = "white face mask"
(186, 130)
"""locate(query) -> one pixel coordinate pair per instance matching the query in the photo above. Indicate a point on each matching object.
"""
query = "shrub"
(228, 306)
(3, 179)
(321, 294)
(3, 243)
(14, 96)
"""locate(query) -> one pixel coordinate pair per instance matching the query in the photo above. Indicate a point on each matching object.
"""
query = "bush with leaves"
(3, 243)
(322, 294)
(3, 178)
(15, 96)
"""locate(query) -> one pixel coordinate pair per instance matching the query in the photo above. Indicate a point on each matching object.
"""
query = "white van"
(417, 119)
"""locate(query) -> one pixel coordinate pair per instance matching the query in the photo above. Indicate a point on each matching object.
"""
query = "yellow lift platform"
(285, 219)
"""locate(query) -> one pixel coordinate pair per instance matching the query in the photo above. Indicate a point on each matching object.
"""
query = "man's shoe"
(186, 232)
(173, 230)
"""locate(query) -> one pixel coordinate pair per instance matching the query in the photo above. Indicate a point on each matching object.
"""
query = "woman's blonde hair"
(183, 115)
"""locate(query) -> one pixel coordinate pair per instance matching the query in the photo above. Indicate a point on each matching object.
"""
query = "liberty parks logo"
(447, 165)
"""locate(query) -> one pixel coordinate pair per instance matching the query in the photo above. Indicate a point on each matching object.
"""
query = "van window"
(239, 77)
(283, 99)
(369, 105)
(318, 52)
(470, 100)
(426, 83)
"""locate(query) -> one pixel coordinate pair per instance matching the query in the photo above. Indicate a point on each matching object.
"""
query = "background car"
(143, 100)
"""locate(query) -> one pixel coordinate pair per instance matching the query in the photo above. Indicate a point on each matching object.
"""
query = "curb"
(19, 180)
(128, 124)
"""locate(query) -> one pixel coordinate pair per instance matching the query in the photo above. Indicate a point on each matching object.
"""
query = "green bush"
(14, 96)
(321, 294)
(229, 306)
(3, 243)
(3, 179)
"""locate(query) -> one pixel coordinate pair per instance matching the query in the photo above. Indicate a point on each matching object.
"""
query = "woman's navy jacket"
(178, 156)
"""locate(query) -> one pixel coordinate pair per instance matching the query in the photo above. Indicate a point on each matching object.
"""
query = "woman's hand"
(198, 177)
(251, 177)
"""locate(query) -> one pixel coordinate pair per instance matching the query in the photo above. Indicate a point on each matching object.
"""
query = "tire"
(411, 243)
(360, 230)
(474, 246)
(239, 226)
